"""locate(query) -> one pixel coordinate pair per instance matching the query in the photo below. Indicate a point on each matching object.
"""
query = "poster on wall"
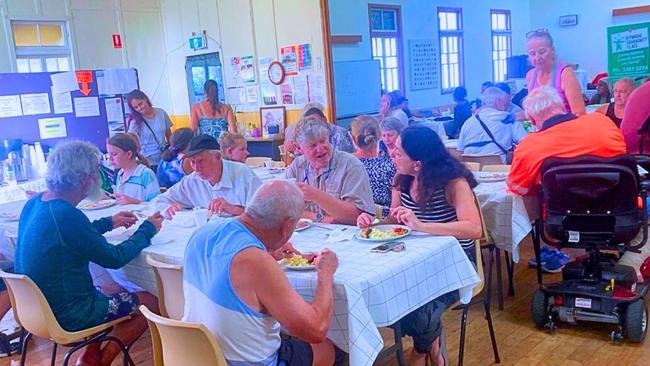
(286, 90)
(50, 128)
(301, 89)
(269, 94)
(289, 60)
(628, 51)
(243, 71)
(304, 56)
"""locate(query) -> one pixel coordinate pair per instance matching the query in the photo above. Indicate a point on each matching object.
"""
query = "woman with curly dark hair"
(432, 193)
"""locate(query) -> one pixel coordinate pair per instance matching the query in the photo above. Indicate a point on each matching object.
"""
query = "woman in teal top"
(211, 117)
(56, 243)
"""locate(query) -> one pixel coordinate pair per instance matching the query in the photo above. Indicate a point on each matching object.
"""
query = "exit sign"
(198, 42)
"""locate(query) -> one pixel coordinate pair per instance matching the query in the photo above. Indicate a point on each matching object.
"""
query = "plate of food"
(303, 224)
(97, 205)
(488, 177)
(383, 232)
(9, 216)
(298, 263)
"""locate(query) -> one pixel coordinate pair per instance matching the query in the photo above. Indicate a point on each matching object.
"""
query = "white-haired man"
(491, 131)
(219, 185)
(335, 184)
(559, 135)
(234, 286)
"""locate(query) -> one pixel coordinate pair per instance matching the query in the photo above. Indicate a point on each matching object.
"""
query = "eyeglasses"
(538, 32)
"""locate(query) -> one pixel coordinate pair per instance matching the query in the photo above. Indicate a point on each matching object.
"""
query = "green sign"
(628, 51)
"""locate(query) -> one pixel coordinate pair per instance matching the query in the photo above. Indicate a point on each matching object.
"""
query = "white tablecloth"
(437, 126)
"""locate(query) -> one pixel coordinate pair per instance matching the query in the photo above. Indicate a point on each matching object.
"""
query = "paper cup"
(269, 164)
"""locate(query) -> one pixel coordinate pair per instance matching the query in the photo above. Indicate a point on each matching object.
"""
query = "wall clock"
(276, 73)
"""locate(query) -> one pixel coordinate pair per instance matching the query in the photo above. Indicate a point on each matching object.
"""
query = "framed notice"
(272, 121)
(423, 57)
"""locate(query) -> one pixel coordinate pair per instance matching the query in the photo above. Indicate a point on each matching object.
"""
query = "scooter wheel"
(539, 309)
(636, 321)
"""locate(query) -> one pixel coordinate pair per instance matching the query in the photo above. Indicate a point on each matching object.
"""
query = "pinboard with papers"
(87, 105)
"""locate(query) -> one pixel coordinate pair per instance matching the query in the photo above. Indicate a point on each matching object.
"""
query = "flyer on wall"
(289, 60)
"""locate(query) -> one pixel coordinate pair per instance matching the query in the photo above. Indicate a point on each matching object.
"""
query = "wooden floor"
(520, 343)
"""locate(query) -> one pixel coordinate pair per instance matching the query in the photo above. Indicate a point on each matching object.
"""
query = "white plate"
(485, 177)
(298, 268)
(303, 224)
(88, 205)
(9, 216)
(384, 228)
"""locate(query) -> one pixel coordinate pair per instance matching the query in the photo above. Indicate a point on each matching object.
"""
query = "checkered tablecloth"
(505, 216)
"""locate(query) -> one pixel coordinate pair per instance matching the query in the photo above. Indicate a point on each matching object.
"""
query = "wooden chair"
(257, 161)
(33, 313)
(169, 282)
(482, 159)
(496, 168)
(182, 343)
(473, 167)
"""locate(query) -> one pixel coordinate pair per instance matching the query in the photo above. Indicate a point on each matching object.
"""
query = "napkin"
(340, 234)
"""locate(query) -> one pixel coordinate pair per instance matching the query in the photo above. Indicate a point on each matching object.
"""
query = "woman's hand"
(364, 220)
(407, 217)
(123, 199)
(124, 218)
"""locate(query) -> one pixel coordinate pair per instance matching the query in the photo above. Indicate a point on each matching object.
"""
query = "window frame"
(398, 34)
(459, 33)
(501, 33)
(42, 52)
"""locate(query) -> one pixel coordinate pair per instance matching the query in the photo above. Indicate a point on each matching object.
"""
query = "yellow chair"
(482, 159)
(33, 313)
(257, 161)
(183, 343)
(473, 167)
(169, 282)
(496, 168)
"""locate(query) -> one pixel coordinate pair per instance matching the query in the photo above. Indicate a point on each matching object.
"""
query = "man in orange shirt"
(559, 135)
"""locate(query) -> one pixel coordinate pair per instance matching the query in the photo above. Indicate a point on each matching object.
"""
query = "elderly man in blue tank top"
(234, 286)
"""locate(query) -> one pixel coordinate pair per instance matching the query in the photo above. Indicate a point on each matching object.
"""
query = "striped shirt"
(438, 210)
(141, 184)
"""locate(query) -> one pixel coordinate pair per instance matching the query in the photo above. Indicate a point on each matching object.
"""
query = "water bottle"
(10, 173)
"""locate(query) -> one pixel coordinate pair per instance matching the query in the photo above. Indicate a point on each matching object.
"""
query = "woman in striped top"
(432, 193)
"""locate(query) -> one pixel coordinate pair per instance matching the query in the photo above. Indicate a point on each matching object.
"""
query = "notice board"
(628, 51)
(32, 110)
(357, 87)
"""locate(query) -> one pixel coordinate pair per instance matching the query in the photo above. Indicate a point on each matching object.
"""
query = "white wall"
(585, 43)
(419, 21)
(91, 24)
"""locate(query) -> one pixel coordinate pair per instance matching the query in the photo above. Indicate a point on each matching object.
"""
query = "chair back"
(591, 201)
(31, 309)
(496, 168)
(485, 237)
(491, 159)
(169, 282)
(257, 161)
(453, 151)
(473, 167)
(183, 343)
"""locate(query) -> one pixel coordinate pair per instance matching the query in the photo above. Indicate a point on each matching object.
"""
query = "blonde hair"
(230, 140)
(365, 131)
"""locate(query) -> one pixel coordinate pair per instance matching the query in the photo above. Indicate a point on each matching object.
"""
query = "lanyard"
(321, 179)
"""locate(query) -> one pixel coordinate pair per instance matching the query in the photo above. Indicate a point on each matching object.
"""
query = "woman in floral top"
(381, 170)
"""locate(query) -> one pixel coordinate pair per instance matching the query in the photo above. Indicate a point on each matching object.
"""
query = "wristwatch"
(319, 216)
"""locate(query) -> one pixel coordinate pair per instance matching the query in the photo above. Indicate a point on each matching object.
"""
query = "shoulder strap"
(487, 130)
(152, 133)
(533, 80)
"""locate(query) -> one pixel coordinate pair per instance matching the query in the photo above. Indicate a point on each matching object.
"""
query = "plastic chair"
(183, 343)
(257, 161)
(169, 282)
(33, 313)
(491, 159)
(496, 168)
(473, 167)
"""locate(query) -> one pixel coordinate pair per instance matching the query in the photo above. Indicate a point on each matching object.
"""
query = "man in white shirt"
(219, 185)
(474, 139)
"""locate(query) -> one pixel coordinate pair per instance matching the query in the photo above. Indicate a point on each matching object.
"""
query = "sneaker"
(545, 253)
(555, 263)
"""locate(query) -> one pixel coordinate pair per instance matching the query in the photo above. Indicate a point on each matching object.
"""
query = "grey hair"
(391, 124)
(311, 129)
(544, 99)
(274, 202)
(70, 164)
(630, 82)
(311, 105)
(492, 96)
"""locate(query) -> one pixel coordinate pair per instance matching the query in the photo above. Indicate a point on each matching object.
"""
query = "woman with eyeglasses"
(547, 71)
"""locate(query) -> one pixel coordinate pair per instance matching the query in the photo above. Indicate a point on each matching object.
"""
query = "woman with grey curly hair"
(57, 242)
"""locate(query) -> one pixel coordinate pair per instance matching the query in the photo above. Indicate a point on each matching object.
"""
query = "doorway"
(200, 68)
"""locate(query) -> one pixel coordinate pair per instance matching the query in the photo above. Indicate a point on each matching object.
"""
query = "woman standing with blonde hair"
(380, 168)
(547, 71)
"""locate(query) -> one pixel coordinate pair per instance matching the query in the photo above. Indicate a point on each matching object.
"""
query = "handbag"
(508, 153)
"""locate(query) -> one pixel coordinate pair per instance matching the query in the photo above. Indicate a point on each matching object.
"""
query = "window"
(386, 40)
(501, 43)
(41, 46)
(450, 30)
